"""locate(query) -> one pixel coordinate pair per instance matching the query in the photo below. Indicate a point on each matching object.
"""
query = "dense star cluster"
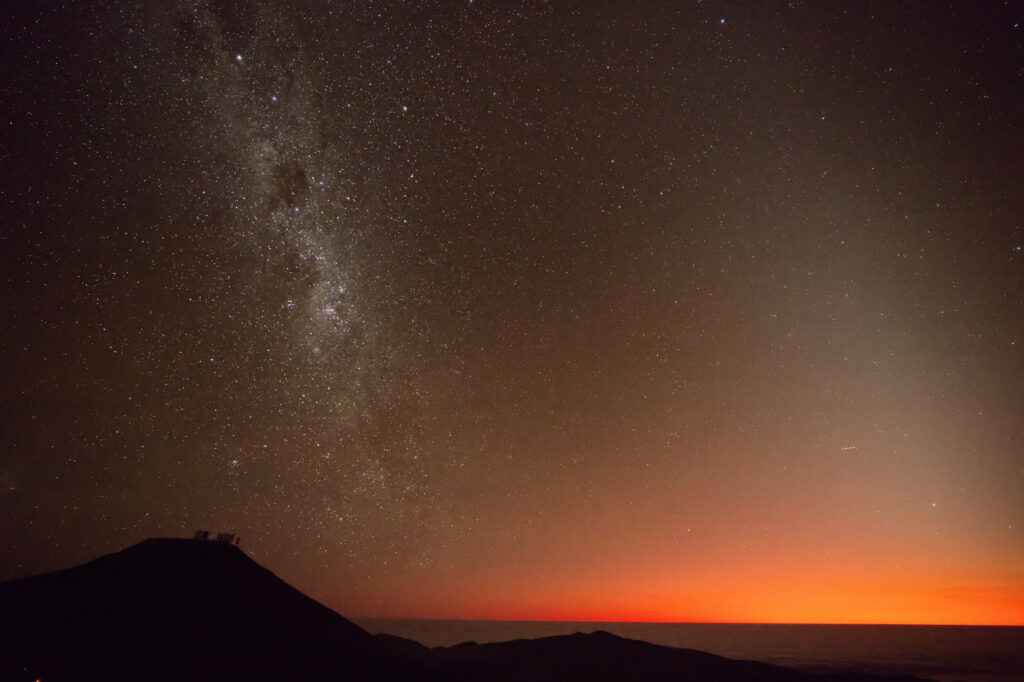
(524, 309)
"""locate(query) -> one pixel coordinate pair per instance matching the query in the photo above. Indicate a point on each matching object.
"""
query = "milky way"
(524, 310)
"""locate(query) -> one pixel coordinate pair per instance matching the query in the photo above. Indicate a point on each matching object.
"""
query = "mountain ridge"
(171, 609)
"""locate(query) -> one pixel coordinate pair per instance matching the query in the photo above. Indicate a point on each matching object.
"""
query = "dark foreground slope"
(188, 610)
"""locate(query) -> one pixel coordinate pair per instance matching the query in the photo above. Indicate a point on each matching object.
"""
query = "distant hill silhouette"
(602, 656)
(168, 609)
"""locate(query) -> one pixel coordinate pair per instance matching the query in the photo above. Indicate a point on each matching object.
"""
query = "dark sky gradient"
(568, 310)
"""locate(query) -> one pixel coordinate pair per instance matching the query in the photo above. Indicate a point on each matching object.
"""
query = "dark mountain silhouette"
(168, 609)
(193, 610)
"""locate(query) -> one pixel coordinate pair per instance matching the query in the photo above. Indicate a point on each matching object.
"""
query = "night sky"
(686, 311)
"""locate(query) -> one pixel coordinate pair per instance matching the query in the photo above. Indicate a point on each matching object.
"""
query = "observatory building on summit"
(227, 538)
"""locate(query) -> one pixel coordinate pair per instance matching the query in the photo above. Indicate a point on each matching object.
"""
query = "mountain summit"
(169, 609)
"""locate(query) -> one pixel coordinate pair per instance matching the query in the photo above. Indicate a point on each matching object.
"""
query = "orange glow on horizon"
(843, 605)
(660, 551)
(858, 594)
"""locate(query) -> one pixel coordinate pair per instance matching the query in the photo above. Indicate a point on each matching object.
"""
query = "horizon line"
(691, 622)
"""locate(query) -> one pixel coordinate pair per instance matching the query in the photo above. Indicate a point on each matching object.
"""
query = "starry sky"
(677, 311)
